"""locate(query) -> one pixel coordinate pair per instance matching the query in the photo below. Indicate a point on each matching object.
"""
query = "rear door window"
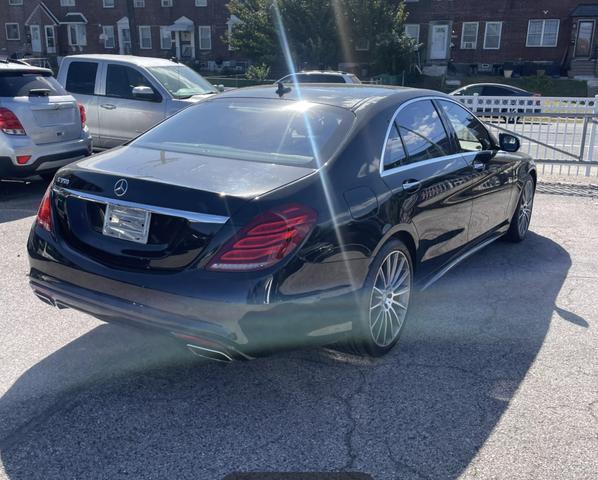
(81, 77)
(422, 131)
(22, 84)
(394, 153)
(121, 80)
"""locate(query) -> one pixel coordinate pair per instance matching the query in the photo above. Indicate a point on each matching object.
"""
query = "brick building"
(467, 34)
(191, 30)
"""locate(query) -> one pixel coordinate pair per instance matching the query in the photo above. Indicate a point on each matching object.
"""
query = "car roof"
(129, 59)
(20, 67)
(349, 96)
(502, 85)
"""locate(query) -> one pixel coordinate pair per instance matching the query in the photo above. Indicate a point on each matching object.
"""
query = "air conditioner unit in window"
(469, 45)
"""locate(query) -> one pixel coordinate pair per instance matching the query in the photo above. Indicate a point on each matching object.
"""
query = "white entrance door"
(124, 36)
(36, 38)
(439, 44)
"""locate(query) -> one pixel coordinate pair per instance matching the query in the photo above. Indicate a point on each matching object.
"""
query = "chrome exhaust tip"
(45, 298)
(209, 353)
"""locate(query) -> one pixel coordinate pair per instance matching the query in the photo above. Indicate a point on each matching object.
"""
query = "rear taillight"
(266, 240)
(82, 114)
(9, 123)
(44, 214)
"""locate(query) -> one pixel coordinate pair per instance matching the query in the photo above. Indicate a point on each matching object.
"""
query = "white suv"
(42, 127)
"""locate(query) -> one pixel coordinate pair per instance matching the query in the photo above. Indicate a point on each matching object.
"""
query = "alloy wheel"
(390, 299)
(525, 209)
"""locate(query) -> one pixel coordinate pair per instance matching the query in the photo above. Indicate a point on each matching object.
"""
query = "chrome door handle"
(411, 186)
(108, 106)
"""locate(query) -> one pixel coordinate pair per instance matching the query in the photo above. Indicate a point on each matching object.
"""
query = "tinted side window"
(315, 78)
(491, 90)
(81, 77)
(472, 135)
(120, 81)
(394, 153)
(422, 132)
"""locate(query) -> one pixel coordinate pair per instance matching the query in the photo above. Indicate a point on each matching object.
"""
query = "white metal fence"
(560, 133)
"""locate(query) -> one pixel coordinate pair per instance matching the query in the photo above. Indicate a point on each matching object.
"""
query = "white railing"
(560, 133)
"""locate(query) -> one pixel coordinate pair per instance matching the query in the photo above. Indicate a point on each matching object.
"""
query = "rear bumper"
(43, 157)
(232, 315)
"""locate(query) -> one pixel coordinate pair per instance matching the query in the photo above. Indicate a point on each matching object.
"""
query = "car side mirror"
(508, 143)
(143, 92)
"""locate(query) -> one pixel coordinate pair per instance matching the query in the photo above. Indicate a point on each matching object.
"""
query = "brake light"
(23, 159)
(44, 214)
(9, 123)
(266, 240)
(82, 114)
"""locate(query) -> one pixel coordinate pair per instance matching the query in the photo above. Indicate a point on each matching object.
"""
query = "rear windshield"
(258, 130)
(21, 84)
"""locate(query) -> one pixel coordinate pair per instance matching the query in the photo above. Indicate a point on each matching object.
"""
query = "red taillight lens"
(268, 239)
(23, 159)
(44, 214)
(82, 114)
(9, 123)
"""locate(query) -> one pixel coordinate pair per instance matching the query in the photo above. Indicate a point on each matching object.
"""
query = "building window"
(412, 31)
(67, 3)
(12, 31)
(205, 37)
(50, 38)
(108, 36)
(201, 3)
(542, 33)
(362, 44)
(139, 3)
(77, 35)
(109, 3)
(469, 35)
(165, 38)
(166, 3)
(15, 2)
(145, 37)
(492, 35)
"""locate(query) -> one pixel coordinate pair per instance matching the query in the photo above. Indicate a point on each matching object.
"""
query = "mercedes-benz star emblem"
(120, 187)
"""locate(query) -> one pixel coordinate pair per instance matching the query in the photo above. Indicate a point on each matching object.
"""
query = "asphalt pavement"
(496, 376)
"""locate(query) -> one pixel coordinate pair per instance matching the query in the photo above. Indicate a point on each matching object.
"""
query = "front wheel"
(523, 214)
(385, 301)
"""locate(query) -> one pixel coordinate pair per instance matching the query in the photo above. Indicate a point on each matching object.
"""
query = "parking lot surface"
(496, 376)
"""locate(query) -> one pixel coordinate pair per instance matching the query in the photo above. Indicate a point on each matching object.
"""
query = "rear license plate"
(127, 223)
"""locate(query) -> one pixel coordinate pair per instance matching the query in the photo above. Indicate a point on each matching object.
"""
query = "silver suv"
(41, 126)
(125, 95)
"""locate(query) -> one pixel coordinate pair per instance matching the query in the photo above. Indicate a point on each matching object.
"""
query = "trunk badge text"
(121, 187)
(62, 181)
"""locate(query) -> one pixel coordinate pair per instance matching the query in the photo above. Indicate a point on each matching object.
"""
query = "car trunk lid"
(189, 199)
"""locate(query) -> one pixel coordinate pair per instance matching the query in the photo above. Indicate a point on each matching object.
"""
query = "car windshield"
(21, 84)
(259, 130)
(182, 82)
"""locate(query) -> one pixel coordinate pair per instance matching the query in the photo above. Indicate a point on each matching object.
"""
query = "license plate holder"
(127, 223)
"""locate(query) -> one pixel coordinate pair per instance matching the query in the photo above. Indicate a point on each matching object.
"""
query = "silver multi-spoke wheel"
(390, 299)
(525, 208)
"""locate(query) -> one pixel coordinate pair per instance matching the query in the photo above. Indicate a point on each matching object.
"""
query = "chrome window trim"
(193, 217)
(384, 173)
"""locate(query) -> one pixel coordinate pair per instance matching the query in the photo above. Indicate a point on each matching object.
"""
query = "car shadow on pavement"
(134, 408)
(20, 199)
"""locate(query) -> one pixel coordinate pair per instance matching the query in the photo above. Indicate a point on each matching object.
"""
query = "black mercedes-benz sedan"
(269, 218)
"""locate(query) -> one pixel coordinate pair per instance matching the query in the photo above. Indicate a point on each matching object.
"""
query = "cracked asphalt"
(496, 377)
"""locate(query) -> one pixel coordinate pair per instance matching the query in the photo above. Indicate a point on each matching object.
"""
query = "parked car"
(126, 95)
(249, 222)
(493, 90)
(320, 76)
(507, 105)
(41, 126)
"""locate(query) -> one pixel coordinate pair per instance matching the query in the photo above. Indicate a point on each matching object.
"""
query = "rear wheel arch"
(404, 234)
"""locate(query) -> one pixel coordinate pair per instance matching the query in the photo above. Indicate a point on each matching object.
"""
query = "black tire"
(523, 213)
(362, 339)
